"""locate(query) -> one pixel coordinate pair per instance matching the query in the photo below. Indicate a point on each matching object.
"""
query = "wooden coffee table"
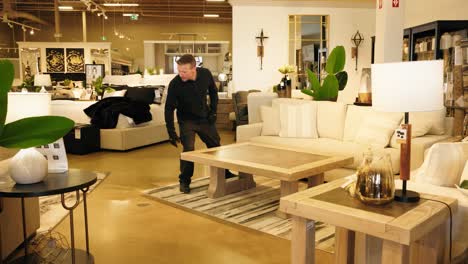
(285, 164)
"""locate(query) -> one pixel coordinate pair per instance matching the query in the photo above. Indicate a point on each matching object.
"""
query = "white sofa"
(338, 126)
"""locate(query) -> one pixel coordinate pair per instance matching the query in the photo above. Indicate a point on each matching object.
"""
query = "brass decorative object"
(260, 48)
(375, 184)
(357, 40)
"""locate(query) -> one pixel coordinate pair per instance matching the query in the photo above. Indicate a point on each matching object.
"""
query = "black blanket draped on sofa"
(105, 113)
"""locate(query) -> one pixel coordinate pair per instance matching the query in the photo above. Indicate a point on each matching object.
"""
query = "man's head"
(186, 66)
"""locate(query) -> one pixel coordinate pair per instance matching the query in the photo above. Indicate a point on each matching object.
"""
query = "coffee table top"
(399, 222)
(265, 160)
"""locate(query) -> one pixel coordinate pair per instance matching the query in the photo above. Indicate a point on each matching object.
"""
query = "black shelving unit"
(433, 29)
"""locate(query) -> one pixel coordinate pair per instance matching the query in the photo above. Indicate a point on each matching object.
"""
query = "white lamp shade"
(408, 86)
(222, 77)
(21, 105)
(42, 80)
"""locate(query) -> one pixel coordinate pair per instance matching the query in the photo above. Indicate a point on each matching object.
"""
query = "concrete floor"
(126, 227)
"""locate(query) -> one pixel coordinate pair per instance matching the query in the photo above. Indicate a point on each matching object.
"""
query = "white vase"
(28, 166)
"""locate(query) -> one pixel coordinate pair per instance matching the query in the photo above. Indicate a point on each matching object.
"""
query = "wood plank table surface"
(406, 233)
(285, 164)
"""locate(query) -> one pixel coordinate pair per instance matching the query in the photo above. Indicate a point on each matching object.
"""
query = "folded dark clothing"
(105, 113)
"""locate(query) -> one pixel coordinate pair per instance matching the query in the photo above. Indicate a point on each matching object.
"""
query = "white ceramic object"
(28, 166)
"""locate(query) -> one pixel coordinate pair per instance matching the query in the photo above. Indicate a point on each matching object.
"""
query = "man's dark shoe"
(229, 175)
(184, 188)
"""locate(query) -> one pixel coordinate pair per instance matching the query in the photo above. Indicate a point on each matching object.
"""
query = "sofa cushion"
(298, 120)
(271, 121)
(443, 165)
(326, 146)
(330, 119)
(354, 117)
(377, 129)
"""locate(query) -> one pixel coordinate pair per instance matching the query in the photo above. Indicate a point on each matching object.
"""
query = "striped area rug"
(254, 208)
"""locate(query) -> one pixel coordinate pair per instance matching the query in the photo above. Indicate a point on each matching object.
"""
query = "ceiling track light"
(11, 23)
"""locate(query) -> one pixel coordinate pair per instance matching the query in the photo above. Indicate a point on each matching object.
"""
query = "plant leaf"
(35, 131)
(314, 82)
(336, 61)
(7, 74)
(329, 88)
(342, 80)
(464, 184)
(308, 92)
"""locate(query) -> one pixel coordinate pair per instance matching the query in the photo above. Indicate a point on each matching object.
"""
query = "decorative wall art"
(55, 60)
(75, 60)
(93, 71)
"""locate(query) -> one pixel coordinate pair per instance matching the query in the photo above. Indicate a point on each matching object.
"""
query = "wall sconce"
(357, 40)
(260, 49)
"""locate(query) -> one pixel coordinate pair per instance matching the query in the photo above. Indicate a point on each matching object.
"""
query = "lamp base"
(43, 90)
(409, 197)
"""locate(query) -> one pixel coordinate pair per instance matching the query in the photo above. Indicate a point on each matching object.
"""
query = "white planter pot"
(28, 166)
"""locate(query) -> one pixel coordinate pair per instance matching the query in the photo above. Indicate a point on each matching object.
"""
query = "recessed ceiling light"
(129, 15)
(120, 4)
(211, 15)
(65, 7)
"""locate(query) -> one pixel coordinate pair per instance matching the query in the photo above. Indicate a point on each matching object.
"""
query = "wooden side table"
(409, 233)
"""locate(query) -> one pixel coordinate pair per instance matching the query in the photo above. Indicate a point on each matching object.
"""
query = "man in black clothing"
(188, 94)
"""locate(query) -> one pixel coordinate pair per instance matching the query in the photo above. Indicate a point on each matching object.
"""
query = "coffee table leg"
(246, 180)
(315, 180)
(289, 187)
(72, 228)
(394, 253)
(217, 186)
(302, 241)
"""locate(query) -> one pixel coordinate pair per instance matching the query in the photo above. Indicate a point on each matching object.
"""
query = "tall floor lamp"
(407, 87)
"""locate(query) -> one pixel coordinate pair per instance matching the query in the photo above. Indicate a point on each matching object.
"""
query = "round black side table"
(54, 183)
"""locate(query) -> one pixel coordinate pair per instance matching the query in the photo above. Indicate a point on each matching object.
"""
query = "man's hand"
(212, 118)
(174, 139)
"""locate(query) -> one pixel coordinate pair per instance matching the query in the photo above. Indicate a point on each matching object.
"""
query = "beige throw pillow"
(298, 120)
(271, 121)
(444, 164)
(377, 129)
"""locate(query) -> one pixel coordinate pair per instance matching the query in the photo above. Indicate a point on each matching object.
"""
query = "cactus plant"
(335, 80)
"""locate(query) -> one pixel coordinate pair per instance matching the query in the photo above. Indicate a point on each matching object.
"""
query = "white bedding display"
(74, 111)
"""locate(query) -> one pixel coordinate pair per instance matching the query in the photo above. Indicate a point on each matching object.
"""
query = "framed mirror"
(308, 46)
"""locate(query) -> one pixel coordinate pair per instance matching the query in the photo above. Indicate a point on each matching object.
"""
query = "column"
(389, 25)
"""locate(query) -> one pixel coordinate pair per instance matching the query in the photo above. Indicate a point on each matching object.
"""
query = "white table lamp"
(42, 80)
(407, 87)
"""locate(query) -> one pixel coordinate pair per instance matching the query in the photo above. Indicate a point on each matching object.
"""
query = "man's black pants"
(207, 133)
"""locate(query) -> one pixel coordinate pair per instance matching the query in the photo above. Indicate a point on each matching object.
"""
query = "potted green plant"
(99, 87)
(27, 133)
(335, 80)
(31, 131)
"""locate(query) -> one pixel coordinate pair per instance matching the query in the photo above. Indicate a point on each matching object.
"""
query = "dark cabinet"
(423, 42)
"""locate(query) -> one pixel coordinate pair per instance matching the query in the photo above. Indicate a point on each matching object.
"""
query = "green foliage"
(464, 184)
(335, 81)
(99, 87)
(151, 71)
(26, 132)
(28, 83)
(342, 79)
(66, 82)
